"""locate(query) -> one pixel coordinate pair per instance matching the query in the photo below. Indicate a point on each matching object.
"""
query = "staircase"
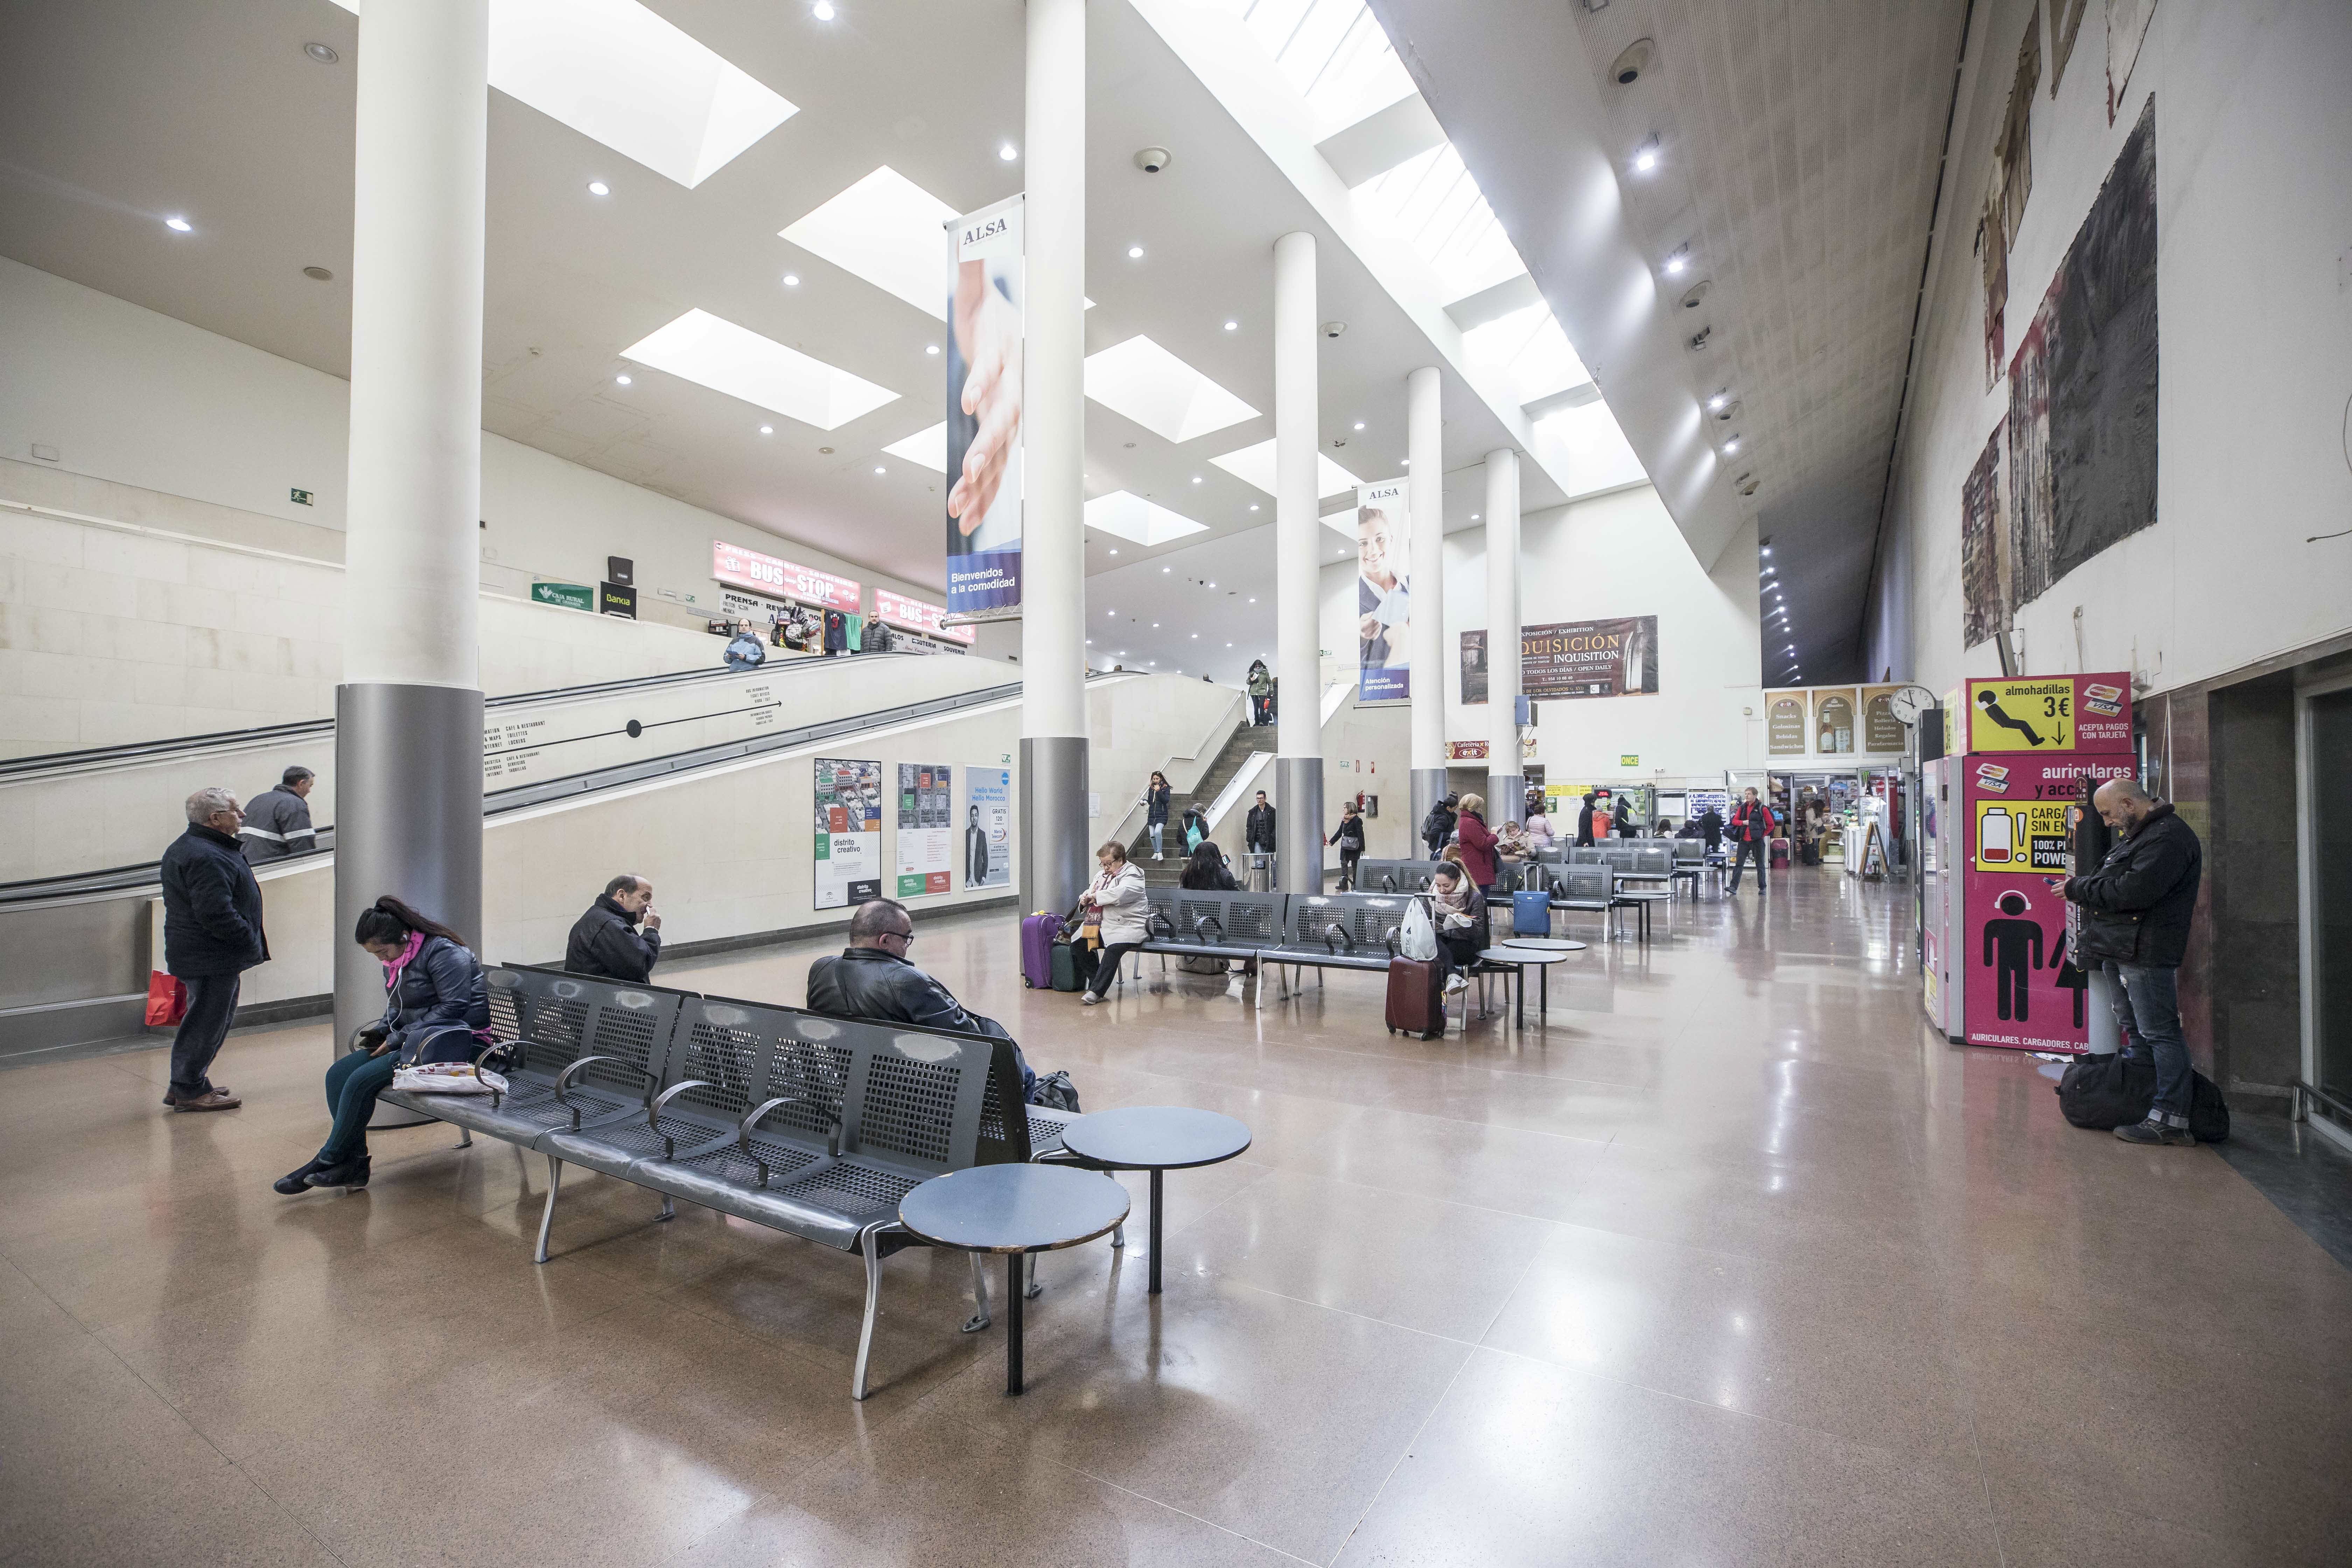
(1246, 739)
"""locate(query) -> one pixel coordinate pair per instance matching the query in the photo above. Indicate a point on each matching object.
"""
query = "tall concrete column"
(408, 717)
(1057, 861)
(1299, 564)
(1505, 780)
(1426, 490)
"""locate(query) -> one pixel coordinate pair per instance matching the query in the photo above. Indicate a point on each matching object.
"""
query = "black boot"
(352, 1173)
(292, 1183)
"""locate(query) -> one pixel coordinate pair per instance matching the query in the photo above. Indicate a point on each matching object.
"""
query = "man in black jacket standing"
(1584, 820)
(1437, 827)
(212, 933)
(1258, 831)
(604, 941)
(2137, 908)
(278, 821)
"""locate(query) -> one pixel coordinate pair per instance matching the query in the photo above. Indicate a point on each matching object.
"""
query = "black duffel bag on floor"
(2110, 1091)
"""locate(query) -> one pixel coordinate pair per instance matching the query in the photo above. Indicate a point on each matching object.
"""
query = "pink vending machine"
(2030, 742)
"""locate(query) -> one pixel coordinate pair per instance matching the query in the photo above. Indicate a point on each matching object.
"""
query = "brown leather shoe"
(210, 1100)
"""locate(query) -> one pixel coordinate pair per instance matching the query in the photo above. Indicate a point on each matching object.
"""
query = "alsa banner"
(782, 579)
(985, 362)
(1383, 592)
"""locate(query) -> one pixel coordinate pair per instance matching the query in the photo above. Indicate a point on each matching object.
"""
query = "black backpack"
(2109, 1091)
(1054, 1091)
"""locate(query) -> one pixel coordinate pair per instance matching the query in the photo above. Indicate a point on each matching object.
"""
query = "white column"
(1298, 560)
(1425, 489)
(1055, 828)
(1505, 788)
(408, 734)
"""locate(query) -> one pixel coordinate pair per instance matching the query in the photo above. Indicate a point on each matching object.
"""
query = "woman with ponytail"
(437, 1009)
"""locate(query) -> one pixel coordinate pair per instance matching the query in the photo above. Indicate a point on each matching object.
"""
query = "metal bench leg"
(547, 1218)
(981, 1319)
(670, 1210)
(871, 1245)
(465, 1138)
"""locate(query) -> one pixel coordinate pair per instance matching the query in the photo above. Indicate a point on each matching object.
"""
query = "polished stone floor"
(1730, 1263)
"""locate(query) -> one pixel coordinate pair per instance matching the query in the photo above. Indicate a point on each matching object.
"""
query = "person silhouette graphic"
(1993, 710)
(2071, 978)
(2007, 943)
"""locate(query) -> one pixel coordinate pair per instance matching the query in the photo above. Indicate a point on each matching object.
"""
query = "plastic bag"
(167, 999)
(1418, 940)
(447, 1078)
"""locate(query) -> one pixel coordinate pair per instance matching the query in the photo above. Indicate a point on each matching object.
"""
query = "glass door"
(2325, 763)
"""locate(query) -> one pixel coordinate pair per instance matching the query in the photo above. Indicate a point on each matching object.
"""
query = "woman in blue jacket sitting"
(437, 1009)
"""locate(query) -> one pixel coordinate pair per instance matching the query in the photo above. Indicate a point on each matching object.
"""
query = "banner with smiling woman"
(1384, 593)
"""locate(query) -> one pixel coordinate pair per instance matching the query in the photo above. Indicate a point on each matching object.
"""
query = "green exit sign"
(1628, 760)
(301, 498)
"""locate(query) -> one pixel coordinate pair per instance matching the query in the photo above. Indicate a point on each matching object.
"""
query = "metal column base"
(1506, 798)
(1056, 851)
(1428, 788)
(1298, 805)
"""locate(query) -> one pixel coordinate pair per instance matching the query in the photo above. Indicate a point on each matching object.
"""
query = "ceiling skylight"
(701, 348)
(1160, 392)
(887, 230)
(1433, 205)
(1255, 466)
(929, 447)
(1528, 350)
(1131, 517)
(1333, 53)
(619, 74)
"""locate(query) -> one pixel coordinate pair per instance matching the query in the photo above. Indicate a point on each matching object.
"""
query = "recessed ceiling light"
(1647, 159)
(1155, 625)
(1677, 261)
(1135, 253)
(1114, 549)
(1196, 636)
(1360, 424)
(599, 188)
(178, 225)
(1253, 506)
(822, 10)
(1163, 570)
(930, 348)
(881, 469)
(767, 429)
(1474, 517)
(1252, 601)
(323, 53)
(792, 279)
(1232, 326)
(620, 381)
(1718, 401)
(714, 353)
(1196, 479)
(1732, 444)
(1008, 151)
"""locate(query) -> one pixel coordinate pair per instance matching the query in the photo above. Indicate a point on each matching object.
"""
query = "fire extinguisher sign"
(2025, 835)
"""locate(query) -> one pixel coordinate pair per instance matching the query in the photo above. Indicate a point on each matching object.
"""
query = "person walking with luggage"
(1261, 693)
(212, 934)
(436, 1009)
(278, 821)
(2136, 910)
(1350, 837)
(1751, 831)
(1478, 843)
(1155, 812)
(1437, 827)
(1115, 906)
(604, 942)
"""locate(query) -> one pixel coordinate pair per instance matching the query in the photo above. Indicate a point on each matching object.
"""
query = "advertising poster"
(2050, 713)
(1784, 723)
(924, 837)
(987, 827)
(1834, 721)
(1881, 730)
(1573, 658)
(1384, 591)
(732, 564)
(849, 832)
(984, 328)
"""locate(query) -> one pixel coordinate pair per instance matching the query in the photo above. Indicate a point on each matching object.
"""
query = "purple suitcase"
(1037, 934)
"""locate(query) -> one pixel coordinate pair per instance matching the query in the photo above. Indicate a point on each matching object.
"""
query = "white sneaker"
(1159, 856)
(1088, 1000)
(1455, 983)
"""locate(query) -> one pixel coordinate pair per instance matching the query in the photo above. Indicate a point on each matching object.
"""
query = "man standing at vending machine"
(2136, 909)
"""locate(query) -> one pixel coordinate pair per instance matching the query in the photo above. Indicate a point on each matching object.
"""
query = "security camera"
(1333, 328)
(1627, 68)
(1151, 159)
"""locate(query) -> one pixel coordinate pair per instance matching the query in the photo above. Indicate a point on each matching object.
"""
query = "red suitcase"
(1037, 934)
(1417, 996)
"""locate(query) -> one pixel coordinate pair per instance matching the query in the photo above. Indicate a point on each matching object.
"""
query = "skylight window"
(1529, 349)
(888, 230)
(702, 348)
(1255, 466)
(928, 448)
(619, 74)
(1160, 392)
(1131, 517)
(1433, 205)
(1333, 53)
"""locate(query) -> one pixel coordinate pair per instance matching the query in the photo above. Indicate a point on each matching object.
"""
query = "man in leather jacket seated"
(872, 980)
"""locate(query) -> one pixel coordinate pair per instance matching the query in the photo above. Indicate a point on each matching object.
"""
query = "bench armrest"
(1208, 920)
(509, 1055)
(1165, 924)
(563, 1080)
(661, 1100)
(1335, 929)
(1389, 939)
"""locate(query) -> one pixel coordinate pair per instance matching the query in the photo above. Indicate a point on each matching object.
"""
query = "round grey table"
(1155, 1138)
(1014, 1210)
(1517, 959)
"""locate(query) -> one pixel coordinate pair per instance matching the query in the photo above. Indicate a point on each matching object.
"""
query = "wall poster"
(1573, 658)
(924, 837)
(1984, 549)
(984, 362)
(987, 827)
(1383, 592)
(849, 832)
(2081, 388)
(1881, 730)
(1834, 721)
(1784, 723)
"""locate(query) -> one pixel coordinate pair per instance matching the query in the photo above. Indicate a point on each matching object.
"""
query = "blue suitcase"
(1531, 914)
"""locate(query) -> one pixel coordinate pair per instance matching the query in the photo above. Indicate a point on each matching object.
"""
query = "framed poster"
(1784, 723)
(849, 832)
(1835, 730)
(1881, 730)
(924, 803)
(987, 827)
(1384, 593)
(1573, 658)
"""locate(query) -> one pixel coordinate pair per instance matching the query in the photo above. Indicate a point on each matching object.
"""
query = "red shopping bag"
(167, 999)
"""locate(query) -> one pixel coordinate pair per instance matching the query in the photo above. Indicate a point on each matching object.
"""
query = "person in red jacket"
(1477, 843)
(1751, 829)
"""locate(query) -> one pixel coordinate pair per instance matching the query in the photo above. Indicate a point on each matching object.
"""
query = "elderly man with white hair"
(212, 933)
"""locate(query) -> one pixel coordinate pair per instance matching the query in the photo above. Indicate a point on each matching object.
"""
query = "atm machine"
(1996, 972)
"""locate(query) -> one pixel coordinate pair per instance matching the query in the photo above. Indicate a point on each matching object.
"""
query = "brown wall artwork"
(2012, 182)
(1984, 550)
